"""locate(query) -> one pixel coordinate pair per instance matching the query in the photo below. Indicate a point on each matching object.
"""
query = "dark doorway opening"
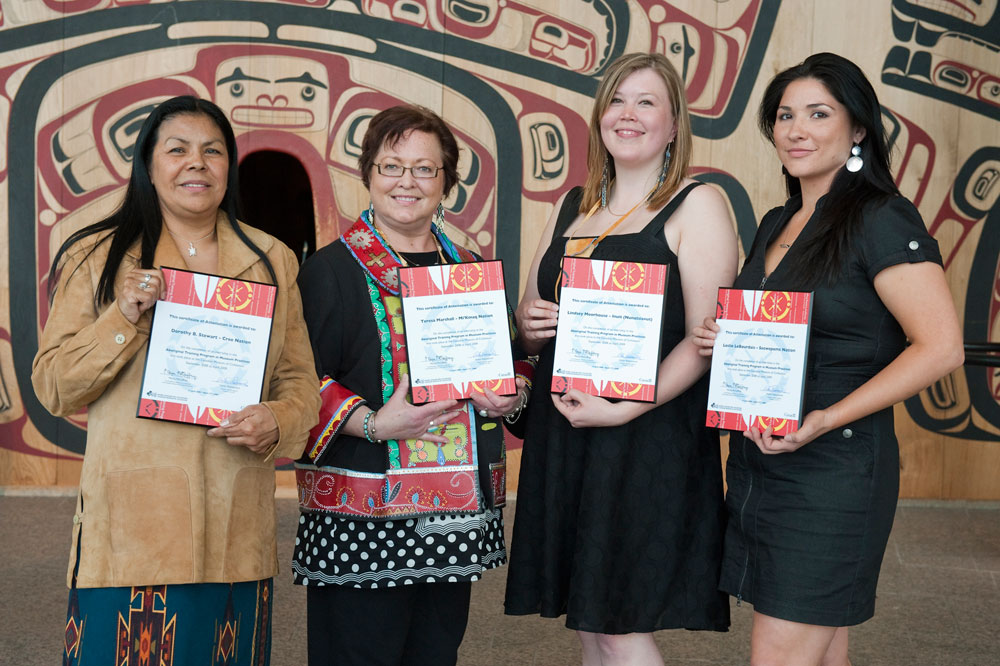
(276, 197)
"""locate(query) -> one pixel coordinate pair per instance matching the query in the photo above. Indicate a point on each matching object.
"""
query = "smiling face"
(406, 204)
(188, 168)
(639, 121)
(813, 134)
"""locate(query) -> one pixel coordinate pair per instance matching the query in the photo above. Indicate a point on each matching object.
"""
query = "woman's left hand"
(495, 405)
(583, 410)
(253, 427)
(814, 425)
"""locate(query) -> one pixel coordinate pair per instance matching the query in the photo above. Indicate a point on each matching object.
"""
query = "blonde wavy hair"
(680, 148)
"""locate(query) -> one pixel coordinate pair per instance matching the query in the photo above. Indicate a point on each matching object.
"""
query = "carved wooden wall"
(514, 78)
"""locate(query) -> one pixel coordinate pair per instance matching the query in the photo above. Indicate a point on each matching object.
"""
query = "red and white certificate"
(759, 360)
(608, 336)
(457, 330)
(207, 348)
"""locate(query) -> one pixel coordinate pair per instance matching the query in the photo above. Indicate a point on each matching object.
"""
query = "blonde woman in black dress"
(619, 513)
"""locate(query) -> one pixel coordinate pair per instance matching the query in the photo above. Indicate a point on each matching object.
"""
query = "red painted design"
(706, 44)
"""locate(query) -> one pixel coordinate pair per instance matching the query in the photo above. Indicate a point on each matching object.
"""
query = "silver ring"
(484, 413)
(144, 286)
(146, 277)
(431, 424)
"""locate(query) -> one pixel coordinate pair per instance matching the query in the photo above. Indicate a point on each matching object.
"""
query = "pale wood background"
(934, 465)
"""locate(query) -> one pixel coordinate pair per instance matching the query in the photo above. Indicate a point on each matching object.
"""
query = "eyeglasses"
(397, 170)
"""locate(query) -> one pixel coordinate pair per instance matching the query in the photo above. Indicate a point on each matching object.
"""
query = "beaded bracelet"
(364, 426)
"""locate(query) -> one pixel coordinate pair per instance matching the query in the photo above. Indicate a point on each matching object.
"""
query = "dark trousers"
(410, 625)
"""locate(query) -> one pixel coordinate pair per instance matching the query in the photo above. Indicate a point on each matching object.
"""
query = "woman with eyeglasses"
(389, 562)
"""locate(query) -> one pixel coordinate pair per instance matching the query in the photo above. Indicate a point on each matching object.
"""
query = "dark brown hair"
(388, 127)
(839, 219)
(139, 217)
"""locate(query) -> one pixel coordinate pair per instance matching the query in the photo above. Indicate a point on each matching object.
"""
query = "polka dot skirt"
(339, 551)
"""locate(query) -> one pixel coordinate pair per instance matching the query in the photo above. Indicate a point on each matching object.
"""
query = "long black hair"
(840, 216)
(139, 215)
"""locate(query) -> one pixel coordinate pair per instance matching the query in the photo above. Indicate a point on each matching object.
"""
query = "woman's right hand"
(399, 419)
(140, 291)
(537, 321)
(704, 336)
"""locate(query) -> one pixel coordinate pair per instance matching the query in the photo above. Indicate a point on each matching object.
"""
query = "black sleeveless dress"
(620, 528)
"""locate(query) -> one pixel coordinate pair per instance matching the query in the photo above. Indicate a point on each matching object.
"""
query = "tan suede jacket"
(162, 502)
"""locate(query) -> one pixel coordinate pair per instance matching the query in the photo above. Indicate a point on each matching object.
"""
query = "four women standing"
(620, 515)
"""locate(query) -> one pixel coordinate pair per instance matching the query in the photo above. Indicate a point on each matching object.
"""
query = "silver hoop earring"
(604, 184)
(854, 162)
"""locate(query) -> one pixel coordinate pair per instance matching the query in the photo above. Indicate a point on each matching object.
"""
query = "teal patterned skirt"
(170, 625)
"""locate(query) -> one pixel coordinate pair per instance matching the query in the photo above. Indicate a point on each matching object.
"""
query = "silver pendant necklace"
(192, 250)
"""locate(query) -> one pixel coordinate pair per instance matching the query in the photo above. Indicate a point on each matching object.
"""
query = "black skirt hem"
(615, 631)
(804, 615)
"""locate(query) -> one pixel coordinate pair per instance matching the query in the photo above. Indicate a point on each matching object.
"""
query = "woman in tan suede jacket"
(174, 533)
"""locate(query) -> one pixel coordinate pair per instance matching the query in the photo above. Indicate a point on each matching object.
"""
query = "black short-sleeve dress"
(619, 528)
(807, 530)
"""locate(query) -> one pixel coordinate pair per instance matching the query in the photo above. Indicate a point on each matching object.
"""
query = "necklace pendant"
(191, 251)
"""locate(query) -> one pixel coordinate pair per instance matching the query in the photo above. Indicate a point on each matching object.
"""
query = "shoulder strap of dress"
(661, 218)
(570, 209)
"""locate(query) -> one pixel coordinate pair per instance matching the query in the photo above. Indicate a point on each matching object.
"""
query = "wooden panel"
(515, 82)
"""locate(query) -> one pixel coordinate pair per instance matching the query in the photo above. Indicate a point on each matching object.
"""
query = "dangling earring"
(371, 213)
(663, 171)
(604, 184)
(854, 162)
(439, 215)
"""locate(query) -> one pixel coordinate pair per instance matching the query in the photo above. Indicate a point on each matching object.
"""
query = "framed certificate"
(759, 360)
(457, 331)
(608, 335)
(207, 348)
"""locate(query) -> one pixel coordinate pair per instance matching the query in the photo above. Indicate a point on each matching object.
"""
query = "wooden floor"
(938, 605)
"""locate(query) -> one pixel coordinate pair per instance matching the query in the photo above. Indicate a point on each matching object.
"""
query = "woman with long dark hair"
(173, 542)
(810, 513)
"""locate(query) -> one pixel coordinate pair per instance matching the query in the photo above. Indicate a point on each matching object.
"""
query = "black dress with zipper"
(808, 529)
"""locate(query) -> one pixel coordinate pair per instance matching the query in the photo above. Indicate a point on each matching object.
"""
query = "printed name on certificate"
(207, 349)
(758, 362)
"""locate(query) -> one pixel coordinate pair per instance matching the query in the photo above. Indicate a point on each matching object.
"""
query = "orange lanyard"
(576, 247)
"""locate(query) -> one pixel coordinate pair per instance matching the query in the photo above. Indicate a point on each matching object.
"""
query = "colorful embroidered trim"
(385, 361)
(498, 476)
(337, 406)
(436, 478)
(525, 370)
(374, 256)
(398, 493)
